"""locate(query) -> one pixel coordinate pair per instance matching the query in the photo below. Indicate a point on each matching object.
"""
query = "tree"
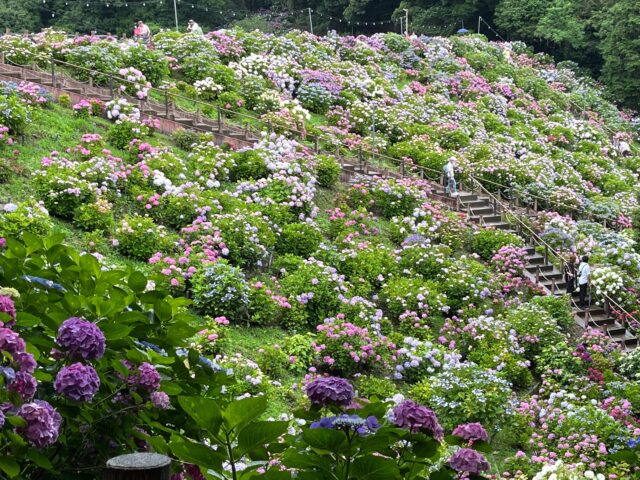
(620, 47)
(519, 18)
(20, 15)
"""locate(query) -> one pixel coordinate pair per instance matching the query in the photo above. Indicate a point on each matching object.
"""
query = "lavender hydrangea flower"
(11, 342)
(81, 339)
(7, 306)
(24, 384)
(78, 382)
(330, 391)
(146, 377)
(471, 432)
(160, 400)
(349, 422)
(468, 460)
(2, 419)
(43, 423)
(417, 418)
(25, 361)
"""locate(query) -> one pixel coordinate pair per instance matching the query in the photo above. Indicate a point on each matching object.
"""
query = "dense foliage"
(246, 313)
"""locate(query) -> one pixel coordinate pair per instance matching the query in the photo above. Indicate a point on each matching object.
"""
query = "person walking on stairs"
(194, 28)
(142, 33)
(584, 278)
(449, 178)
(570, 274)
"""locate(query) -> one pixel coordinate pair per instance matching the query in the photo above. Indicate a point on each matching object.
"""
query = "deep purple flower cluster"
(330, 391)
(7, 306)
(78, 382)
(2, 419)
(43, 423)
(471, 432)
(468, 460)
(24, 384)
(417, 418)
(349, 422)
(81, 339)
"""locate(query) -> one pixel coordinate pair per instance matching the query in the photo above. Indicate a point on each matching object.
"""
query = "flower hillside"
(244, 312)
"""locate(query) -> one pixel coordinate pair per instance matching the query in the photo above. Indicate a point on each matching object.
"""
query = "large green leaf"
(9, 466)
(374, 468)
(257, 434)
(204, 411)
(325, 439)
(243, 411)
(196, 453)
(137, 282)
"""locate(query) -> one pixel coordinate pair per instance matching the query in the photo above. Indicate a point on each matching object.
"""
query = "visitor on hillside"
(624, 149)
(194, 28)
(570, 273)
(142, 33)
(449, 178)
(584, 278)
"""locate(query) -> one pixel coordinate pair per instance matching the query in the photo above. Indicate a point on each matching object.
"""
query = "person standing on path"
(584, 278)
(142, 33)
(449, 177)
(194, 29)
(570, 273)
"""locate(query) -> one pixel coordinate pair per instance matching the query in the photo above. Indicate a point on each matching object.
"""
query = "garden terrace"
(221, 286)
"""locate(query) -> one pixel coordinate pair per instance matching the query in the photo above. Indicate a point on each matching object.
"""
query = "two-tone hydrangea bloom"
(78, 382)
(417, 418)
(160, 400)
(11, 342)
(24, 384)
(330, 391)
(81, 339)
(354, 423)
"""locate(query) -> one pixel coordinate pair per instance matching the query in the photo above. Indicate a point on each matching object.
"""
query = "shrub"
(372, 386)
(328, 171)
(221, 290)
(248, 165)
(300, 350)
(139, 237)
(404, 293)
(185, 139)
(346, 349)
(558, 307)
(487, 241)
(425, 259)
(29, 216)
(299, 239)
(266, 305)
(94, 216)
(466, 393)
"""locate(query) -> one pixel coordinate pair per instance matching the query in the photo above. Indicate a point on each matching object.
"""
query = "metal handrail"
(549, 250)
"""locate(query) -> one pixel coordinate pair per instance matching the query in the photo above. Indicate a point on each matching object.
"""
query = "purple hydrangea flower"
(468, 460)
(25, 361)
(78, 382)
(2, 419)
(471, 432)
(43, 423)
(417, 418)
(81, 339)
(325, 422)
(349, 422)
(146, 377)
(11, 342)
(330, 391)
(7, 306)
(24, 384)
(160, 400)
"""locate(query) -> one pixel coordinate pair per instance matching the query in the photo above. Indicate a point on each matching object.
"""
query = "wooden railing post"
(402, 167)
(53, 72)
(316, 144)
(111, 85)
(138, 466)
(546, 253)
(219, 119)
(166, 103)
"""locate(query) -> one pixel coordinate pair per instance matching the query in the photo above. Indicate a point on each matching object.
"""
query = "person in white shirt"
(449, 178)
(584, 278)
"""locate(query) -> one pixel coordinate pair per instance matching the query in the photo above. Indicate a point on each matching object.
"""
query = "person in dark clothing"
(570, 274)
(584, 278)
